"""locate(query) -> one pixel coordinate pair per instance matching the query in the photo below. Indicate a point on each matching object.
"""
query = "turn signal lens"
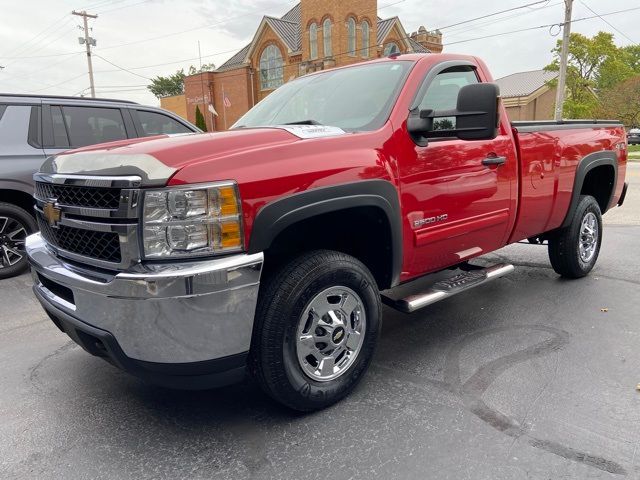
(230, 234)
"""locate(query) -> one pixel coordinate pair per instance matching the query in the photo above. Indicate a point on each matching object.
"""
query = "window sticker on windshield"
(311, 131)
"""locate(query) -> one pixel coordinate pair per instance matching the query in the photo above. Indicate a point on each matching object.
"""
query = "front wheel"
(15, 225)
(574, 250)
(318, 321)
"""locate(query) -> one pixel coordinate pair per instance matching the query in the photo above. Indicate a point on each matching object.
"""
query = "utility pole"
(88, 42)
(564, 54)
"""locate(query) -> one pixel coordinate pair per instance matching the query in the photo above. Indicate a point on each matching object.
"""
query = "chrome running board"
(449, 287)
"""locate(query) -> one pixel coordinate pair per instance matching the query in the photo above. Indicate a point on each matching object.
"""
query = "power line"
(540, 26)
(530, 10)
(608, 23)
(123, 6)
(234, 50)
(121, 68)
(54, 64)
(188, 30)
(58, 84)
(45, 56)
(493, 14)
(24, 44)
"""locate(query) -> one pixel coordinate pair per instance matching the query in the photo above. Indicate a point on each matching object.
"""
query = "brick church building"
(314, 35)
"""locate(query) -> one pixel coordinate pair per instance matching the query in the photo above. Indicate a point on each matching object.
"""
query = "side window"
(154, 123)
(442, 93)
(2, 109)
(91, 125)
(60, 136)
(35, 127)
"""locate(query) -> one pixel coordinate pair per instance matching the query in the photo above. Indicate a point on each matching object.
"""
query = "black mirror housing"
(477, 112)
(477, 116)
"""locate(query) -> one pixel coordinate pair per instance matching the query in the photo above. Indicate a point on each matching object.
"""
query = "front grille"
(89, 197)
(99, 245)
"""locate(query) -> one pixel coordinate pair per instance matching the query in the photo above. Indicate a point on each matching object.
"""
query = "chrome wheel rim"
(12, 239)
(330, 333)
(588, 240)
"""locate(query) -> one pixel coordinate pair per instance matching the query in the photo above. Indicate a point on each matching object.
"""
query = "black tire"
(14, 219)
(564, 250)
(281, 304)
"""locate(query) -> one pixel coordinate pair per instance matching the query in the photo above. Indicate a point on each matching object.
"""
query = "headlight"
(192, 221)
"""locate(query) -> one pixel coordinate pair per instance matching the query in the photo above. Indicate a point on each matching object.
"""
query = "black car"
(633, 137)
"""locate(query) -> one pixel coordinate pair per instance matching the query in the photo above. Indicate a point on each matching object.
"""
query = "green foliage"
(200, 121)
(622, 102)
(634, 148)
(174, 84)
(207, 67)
(595, 65)
(168, 86)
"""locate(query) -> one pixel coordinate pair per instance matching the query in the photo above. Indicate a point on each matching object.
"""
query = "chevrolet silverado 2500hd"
(189, 261)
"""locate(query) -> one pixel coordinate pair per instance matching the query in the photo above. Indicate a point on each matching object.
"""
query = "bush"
(200, 122)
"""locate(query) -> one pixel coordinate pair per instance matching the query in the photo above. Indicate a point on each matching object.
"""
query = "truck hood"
(156, 159)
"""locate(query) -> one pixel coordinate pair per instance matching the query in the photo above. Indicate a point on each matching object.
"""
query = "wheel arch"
(596, 175)
(18, 198)
(373, 205)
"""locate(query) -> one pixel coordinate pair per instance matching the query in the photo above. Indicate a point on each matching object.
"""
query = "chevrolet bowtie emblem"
(51, 213)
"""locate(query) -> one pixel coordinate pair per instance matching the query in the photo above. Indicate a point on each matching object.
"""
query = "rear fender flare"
(588, 163)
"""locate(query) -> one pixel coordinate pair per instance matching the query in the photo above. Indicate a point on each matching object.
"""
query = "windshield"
(354, 99)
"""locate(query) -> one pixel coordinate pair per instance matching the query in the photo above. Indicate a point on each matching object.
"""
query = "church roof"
(289, 29)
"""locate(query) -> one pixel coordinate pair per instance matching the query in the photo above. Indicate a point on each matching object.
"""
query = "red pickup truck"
(191, 260)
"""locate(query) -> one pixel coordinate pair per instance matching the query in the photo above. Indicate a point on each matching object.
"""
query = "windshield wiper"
(304, 122)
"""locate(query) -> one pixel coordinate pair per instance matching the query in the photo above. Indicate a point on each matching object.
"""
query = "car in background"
(633, 136)
(34, 127)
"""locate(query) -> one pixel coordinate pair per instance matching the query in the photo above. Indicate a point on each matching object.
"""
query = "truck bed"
(549, 153)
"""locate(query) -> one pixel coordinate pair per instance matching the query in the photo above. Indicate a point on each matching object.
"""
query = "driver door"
(455, 207)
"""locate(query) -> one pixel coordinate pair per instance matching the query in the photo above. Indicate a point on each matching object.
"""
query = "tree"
(207, 67)
(594, 64)
(200, 121)
(174, 84)
(622, 102)
(168, 86)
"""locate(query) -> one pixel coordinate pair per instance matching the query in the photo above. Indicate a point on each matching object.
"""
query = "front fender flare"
(276, 216)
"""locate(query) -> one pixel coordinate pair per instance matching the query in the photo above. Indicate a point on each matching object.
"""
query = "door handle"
(494, 160)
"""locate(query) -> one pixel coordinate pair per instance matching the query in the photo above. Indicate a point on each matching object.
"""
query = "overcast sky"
(138, 33)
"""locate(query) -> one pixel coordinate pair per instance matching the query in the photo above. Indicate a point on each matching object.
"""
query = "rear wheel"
(15, 225)
(574, 250)
(318, 321)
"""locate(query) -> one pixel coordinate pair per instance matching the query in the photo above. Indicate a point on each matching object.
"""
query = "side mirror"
(476, 116)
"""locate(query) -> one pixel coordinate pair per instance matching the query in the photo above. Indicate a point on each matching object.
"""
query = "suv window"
(442, 94)
(60, 136)
(154, 123)
(91, 125)
(35, 131)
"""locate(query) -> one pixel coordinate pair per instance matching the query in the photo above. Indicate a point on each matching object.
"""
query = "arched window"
(351, 36)
(326, 37)
(313, 41)
(391, 48)
(271, 68)
(365, 39)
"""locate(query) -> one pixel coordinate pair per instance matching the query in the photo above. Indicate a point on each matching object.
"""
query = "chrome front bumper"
(174, 313)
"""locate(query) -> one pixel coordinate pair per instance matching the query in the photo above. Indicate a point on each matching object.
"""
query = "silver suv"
(35, 127)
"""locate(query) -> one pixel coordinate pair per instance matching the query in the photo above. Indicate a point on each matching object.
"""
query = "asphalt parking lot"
(530, 376)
